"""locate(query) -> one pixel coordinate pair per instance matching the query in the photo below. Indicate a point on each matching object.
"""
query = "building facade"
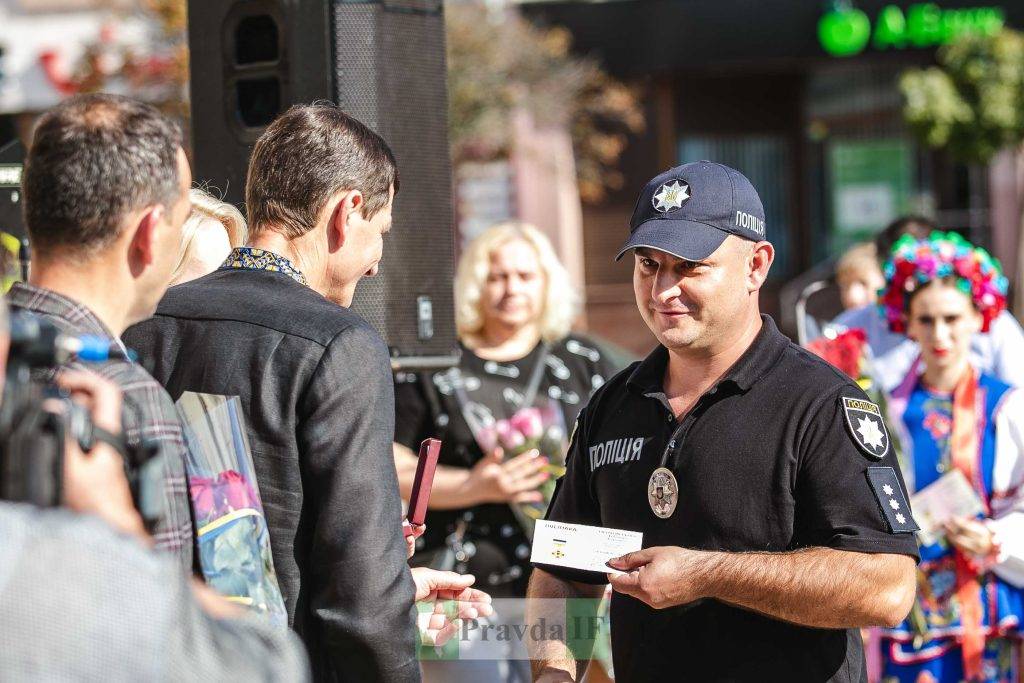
(801, 96)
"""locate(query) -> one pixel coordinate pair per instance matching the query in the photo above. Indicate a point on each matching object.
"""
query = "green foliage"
(972, 103)
(498, 62)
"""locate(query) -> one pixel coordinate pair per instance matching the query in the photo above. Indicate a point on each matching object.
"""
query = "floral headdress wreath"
(914, 263)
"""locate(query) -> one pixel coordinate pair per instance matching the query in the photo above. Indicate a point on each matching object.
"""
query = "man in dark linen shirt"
(272, 327)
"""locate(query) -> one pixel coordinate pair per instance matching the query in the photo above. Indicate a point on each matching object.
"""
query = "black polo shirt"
(767, 460)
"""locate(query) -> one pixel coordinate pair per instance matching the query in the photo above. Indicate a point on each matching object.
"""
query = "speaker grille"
(384, 63)
(390, 74)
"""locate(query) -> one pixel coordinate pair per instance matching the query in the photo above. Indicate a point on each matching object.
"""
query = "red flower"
(846, 351)
(213, 498)
(235, 491)
(200, 489)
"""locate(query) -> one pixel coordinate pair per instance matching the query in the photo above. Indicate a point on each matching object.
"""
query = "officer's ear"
(759, 260)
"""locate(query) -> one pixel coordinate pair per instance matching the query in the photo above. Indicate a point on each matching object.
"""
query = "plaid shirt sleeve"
(149, 414)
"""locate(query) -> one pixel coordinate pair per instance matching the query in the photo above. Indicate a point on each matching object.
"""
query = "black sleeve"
(836, 505)
(413, 416)
(574, 501)
(361, 590)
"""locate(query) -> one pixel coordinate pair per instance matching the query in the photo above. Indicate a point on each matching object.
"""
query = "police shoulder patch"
(866, 426)
(891, 500)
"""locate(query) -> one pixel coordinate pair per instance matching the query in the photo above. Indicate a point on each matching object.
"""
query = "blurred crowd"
(927, 334)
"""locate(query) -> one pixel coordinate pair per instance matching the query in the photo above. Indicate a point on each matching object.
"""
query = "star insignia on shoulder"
(671, 196)
(869, 430)
(892, 501)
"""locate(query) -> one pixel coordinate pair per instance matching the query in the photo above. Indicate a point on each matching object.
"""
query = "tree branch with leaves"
(972, 104)
(499, 63)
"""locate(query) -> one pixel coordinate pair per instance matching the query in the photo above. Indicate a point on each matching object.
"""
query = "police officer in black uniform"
(773, 512)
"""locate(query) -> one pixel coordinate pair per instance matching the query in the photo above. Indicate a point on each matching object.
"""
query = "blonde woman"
(211, 231)
(515, 305)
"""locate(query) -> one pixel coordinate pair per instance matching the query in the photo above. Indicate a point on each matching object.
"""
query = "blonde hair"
(561, 301)
(207, 207)
(858, 260)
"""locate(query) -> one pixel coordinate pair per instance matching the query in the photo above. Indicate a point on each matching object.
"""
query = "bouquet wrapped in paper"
(537, 427)
(234, 543)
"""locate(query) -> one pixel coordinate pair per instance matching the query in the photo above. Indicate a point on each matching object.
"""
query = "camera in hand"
(36, 418)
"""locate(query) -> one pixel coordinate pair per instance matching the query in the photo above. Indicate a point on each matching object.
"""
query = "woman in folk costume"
(965, 624)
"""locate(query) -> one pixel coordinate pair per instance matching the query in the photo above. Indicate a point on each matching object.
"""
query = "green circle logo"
(844, 32)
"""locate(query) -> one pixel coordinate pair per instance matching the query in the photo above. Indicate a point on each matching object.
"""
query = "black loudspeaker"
(382, 62)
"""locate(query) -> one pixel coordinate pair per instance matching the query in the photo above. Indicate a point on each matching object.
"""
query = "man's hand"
(494, 480)
(971, 536)
(412, 532)
(447, 587)
(663, 576)
(94, 482)
(213, 603)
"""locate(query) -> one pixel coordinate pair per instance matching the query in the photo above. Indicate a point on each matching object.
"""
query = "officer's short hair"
(305, 156)
(94, 159)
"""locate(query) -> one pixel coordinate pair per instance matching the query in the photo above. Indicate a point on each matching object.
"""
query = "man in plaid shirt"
(106, 194)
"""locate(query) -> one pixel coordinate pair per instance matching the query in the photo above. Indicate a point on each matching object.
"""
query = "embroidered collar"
(249, 258)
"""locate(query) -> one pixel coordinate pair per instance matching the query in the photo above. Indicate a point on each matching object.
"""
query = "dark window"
(256, 40)
(259, 100)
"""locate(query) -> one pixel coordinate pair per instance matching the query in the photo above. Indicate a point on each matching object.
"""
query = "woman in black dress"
(514, 308)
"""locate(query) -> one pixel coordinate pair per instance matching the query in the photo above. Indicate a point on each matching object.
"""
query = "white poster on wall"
(865, 206)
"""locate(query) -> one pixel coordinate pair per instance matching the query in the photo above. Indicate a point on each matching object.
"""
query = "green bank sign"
(847, 31)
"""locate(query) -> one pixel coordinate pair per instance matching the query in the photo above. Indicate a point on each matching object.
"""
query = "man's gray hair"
(93, 159)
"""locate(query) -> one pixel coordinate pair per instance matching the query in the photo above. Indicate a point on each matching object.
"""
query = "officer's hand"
(971, 536)
(661, 576)
(95, 482)
(452, 599)
(493, 480)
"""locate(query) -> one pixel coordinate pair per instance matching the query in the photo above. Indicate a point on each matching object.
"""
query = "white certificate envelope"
(948, 497)
(578, 546)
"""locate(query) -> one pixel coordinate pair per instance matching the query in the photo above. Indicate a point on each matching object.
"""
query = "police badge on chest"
(663, 492)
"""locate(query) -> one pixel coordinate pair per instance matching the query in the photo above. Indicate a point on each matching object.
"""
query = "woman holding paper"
(955, 423)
